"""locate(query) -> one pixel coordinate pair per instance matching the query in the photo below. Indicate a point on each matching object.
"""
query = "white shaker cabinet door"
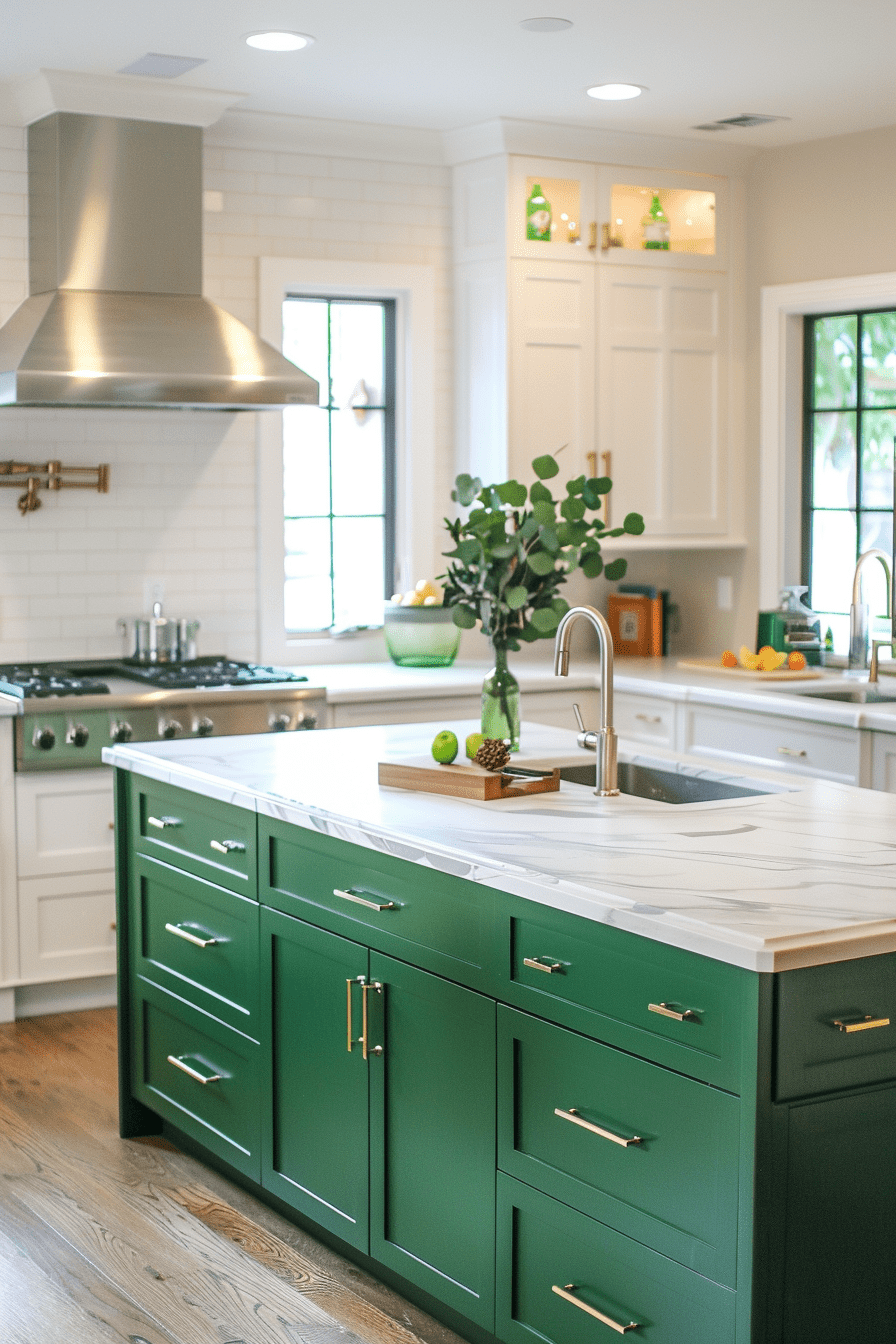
(64, 822)
(552, 374)
(663, 398)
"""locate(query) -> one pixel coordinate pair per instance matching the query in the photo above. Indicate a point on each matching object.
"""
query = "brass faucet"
(603, 740)
(858, 617)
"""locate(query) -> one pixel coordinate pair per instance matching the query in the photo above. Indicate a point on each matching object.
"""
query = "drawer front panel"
(543, 1245)
(792, 744)
(671, 1006)
(675, 1189)
(835, 1026)
(641, 718)
(175, 1048)
(400, 907)
(200, 835)
(198, 940)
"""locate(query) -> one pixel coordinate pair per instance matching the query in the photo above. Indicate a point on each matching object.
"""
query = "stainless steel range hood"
(116, 316)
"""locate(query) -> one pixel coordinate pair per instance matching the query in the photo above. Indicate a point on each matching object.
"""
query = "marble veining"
(799, 876)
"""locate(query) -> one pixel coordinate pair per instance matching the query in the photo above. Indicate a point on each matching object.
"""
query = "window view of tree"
(849, 444)
(338, 464)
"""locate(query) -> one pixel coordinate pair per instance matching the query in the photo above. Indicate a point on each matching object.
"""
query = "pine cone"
(493, 754)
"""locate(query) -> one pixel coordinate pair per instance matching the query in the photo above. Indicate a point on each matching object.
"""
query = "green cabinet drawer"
(544, 1246)
(192, 1070)
(671, 1006)
(835, 1026)
(198, 940)
(200, 835)
(628, 1142)
(413, 911)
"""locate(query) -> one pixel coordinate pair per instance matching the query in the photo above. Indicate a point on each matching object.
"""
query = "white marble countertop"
(801, 876)
(352, 683)
(9, 706)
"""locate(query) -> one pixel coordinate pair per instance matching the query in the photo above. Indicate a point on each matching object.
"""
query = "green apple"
(473, 743)
(444, 747)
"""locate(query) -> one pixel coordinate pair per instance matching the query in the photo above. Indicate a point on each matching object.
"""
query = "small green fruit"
(444, 747)
(473, 743)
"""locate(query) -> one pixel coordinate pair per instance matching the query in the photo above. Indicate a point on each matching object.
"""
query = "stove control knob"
(77, 735)
(169, 728)
(279, 723)
(204, 728)
(121, 731)
(44, 738)
(307, 720)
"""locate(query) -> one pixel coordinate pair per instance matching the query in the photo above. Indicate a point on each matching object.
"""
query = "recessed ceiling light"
(279, 41)
(545, 25)
(615, 93)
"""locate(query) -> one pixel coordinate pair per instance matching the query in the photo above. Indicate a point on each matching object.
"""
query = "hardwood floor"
(106, 1240)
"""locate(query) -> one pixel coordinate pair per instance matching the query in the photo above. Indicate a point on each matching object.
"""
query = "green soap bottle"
(656, 227)
(538, 216)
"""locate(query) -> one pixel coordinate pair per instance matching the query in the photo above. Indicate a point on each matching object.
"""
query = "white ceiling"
(826, 65)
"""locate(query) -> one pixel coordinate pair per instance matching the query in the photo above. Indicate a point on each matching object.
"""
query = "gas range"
(69, 711)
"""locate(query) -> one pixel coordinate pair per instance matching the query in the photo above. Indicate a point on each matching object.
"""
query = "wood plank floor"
(106, 1240)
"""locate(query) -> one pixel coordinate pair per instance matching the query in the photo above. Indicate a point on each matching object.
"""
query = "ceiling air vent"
(745, 121)
(156, 66)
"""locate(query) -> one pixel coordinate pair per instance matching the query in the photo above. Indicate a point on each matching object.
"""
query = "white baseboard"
(64, 996)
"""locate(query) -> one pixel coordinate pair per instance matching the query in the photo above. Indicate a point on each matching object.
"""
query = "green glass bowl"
(421, 636)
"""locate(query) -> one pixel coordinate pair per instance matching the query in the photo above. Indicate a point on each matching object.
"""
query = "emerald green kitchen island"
(557, 1067)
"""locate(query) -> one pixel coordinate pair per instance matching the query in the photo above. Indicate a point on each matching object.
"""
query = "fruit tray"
(779, 674)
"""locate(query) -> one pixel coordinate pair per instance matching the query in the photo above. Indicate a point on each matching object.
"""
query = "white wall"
(182, 504)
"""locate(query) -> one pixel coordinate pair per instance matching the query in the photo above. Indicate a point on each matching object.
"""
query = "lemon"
(747, 657)
(473, 743)
(444, 747)
(770, 659)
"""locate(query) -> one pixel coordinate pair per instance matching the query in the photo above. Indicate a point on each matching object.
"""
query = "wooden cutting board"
(460, 781)
(746, 673)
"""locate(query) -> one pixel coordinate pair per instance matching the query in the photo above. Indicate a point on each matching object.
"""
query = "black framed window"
(339, 464)
(849, 434)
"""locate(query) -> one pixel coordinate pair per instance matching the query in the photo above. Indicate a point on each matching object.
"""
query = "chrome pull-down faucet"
(859, 617)
(602, 740)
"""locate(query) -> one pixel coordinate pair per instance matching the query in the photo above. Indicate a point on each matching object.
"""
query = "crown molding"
(241, 128)
(31, 97)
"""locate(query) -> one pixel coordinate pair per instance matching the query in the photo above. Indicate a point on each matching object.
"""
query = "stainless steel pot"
(159, 639)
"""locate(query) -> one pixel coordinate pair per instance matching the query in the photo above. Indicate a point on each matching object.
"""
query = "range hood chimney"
(116, 316)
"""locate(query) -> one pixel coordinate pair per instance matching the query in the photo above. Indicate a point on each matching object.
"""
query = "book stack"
(639, 621)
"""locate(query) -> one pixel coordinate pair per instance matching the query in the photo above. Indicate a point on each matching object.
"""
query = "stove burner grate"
(201, 673)
(43, 681)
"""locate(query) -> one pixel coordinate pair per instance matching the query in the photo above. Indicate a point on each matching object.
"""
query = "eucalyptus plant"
(514, 550)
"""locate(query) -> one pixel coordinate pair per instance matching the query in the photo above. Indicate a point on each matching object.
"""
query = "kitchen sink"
(864, 693)
(667, 786)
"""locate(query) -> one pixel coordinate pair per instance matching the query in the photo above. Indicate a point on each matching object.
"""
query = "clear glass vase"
(501, 702)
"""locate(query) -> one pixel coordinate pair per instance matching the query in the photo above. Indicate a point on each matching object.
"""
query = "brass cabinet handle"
(163, 823)
(188, 937)
(572, 1115)
(607, 459)
(366, 987)
(549, 967)
(228, 846)
(363, 900)
(666, 1010)
(861, 1023)
(566, 1292)
(358, 980)
(203, 1078)
(791, 751)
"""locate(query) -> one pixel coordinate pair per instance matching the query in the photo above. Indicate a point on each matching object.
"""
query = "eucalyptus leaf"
(529, 527)
(572, 534)
(560, 605)
(469, 550)
(512, 493)
(541, 562)
(549, 539)
(573, 508)
(575, 487)
(616, 569)
(633, 523)
(545, 619)
(592, 565)
(465, 617)
(467, 488)
(545, 467)
(516, 597)
(544, 512)
(505, 550)
(539, 491)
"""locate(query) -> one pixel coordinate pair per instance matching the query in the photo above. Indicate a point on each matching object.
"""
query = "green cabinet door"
(314, 1153)
(432, 1137)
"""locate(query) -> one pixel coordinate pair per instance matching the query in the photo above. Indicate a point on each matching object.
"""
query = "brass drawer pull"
(180, 932)
(861, 1023)
(666, 1010)
(566, 1292)
(649, 718)
(549, 967)
(363, 900)
(366, 987)
(573, 1115)
(358, 980)
(791, 751)
(228, 846)
(203, 1078)
(163, 823)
